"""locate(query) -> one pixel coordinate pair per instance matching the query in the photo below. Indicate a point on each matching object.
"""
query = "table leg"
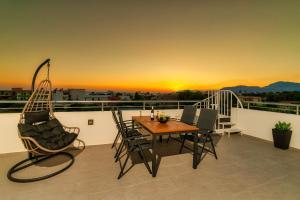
(195, 154)
(154, 154)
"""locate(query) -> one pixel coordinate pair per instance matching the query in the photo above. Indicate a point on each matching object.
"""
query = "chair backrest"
(120, 115)
(116, 120)
(207, 119)
(188, 114)
(114, 115)
(121, 125)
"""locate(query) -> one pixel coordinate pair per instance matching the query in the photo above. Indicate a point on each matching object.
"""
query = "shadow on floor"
(171, 148)
(60, 159)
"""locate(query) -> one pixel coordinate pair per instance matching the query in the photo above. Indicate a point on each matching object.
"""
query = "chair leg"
(213, 147)
(124, 165)
(117, 156)
(169, 138)
(140, 155)
(116, 140)
(203, 147)
(118, 149)
(182, 144)
(144, 160)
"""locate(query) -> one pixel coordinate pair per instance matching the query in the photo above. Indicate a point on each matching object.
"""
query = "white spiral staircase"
(223, 101)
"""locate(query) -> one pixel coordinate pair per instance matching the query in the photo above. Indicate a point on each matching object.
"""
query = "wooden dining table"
(155, 128)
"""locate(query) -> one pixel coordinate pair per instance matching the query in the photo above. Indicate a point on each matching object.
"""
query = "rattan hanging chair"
(42, 134)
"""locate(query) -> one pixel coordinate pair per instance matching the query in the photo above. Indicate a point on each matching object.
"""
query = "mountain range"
(280, 86)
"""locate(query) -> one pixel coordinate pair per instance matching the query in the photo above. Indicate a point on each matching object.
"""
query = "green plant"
(162, 117)
(283, 126)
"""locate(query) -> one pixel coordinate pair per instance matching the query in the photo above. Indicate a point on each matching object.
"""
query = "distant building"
(98, 96)
(20, 94)
(125, 97)
(58, 95)
(77, 94)
(15, 94)
(6, 95)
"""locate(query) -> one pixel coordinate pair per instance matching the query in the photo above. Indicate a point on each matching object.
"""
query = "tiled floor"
(247, 168)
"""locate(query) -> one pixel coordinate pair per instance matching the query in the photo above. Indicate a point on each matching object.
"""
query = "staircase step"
(223, 116)
(227, 123)
(232, 130)
(219, 131)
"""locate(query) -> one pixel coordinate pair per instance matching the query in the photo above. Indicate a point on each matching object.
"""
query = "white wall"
(251, 122)
(102, 132)
(260, 123)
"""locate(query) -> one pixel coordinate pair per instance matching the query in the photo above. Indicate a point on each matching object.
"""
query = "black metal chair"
(132, 131)
(206, 124)
(132, 142)
(188, 117)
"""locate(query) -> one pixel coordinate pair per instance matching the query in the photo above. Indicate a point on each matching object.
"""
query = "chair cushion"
(42, 127)
(50, 134)
(34, 117)
(56, 142)
(48, 126)
(54, 123)
(27, 130)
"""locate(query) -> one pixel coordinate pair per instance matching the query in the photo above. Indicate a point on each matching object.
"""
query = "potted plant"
(282, 135)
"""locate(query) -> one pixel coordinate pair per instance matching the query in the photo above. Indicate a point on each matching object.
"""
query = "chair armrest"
(146, 135)
(130, 126)
(139, 141)
(135, 137)
(29, 147)
(131, 138)
(127, 121)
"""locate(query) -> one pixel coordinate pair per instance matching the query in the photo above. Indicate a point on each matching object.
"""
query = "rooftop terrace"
(247, 168)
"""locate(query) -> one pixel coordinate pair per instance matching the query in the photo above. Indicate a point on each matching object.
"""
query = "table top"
(155, 127)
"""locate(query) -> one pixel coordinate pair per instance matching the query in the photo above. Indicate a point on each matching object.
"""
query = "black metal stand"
(34, 160)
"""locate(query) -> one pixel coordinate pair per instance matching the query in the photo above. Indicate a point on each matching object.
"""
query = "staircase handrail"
(213, 96)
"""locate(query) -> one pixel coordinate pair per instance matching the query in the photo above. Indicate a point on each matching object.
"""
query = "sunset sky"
(150, 45)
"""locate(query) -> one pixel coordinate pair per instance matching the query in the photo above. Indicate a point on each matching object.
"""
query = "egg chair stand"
(30, 161)
(43, 136)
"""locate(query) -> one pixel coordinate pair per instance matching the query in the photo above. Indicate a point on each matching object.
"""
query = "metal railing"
(226, 102)
(273, 107)
(59, 106)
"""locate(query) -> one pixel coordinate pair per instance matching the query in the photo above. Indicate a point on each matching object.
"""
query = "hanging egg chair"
(42, 134)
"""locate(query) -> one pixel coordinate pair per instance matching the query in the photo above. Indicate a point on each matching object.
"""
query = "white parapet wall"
(102, 132)
(260, 123)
